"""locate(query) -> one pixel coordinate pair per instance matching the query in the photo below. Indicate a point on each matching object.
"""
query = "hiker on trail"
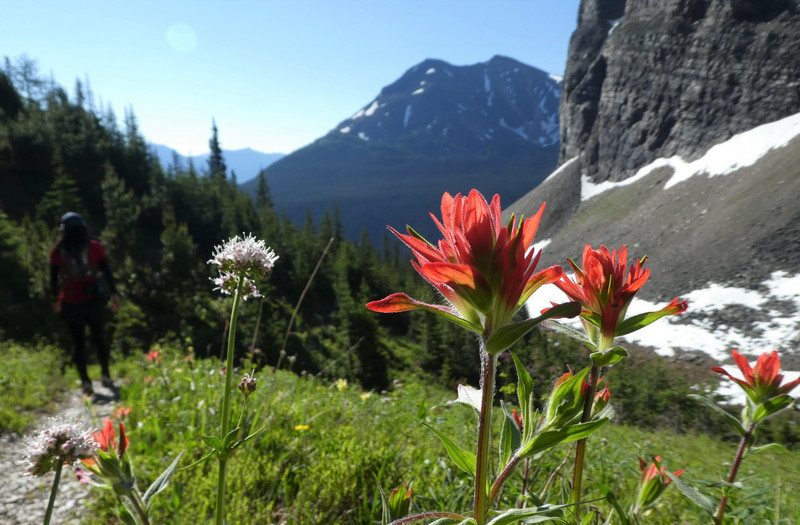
(79, 263)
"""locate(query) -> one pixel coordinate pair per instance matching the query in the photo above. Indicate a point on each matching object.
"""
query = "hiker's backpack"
(82, 277)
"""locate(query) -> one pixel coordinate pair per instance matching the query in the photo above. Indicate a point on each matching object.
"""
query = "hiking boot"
(86, 387)
(107, 381)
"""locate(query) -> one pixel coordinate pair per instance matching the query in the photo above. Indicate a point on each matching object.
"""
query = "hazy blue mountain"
(492, 126)
(246, 163)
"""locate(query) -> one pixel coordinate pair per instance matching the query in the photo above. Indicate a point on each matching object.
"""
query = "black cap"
(72, 220)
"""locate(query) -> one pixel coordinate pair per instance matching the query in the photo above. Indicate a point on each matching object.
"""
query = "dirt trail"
(23, 498)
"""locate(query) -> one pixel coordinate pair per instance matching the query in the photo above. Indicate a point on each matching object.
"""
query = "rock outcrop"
(654, 78)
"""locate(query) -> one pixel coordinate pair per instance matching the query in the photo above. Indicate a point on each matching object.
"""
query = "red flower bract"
(762, 382)
(484, 269)
(105, 438)
(605, 288)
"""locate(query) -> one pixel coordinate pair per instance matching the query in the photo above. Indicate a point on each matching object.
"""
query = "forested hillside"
(60, 152)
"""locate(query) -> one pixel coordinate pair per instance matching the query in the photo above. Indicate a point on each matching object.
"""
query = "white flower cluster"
(246, 258)
(61, 442)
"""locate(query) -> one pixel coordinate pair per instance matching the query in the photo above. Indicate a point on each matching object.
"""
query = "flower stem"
(744, 444)
(53, 491)
(524, 489)
(488, 365)
(136, 501)
(226, 404)
(503, 477)
(580, 450)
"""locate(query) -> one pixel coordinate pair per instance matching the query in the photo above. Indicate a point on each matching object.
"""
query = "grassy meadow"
(328, 446)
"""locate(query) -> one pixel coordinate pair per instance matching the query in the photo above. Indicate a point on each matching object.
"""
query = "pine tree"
(263, 197)
(62, 197)
(216, 161)
(122, 211)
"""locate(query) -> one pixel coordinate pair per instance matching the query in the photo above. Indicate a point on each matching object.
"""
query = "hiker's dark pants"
(78, 316)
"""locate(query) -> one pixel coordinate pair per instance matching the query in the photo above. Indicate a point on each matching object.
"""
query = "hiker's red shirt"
(74, 290)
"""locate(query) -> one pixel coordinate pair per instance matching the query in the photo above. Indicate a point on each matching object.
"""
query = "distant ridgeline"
(492, 126)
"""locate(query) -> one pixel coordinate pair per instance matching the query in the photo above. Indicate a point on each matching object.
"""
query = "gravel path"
(23, 498)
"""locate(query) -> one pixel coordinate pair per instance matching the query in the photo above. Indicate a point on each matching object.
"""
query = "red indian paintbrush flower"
(105, 438)
(484, 269)
(605, 288)
(762, 382)
(652, 483)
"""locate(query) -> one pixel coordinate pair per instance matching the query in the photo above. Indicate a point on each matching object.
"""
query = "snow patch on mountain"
(740, 151)
(406, 116)
(368, 112)
(696, 330)
(519, 130)
(702, 328)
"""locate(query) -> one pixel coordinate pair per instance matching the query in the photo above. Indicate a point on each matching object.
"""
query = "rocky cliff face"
(654, 78)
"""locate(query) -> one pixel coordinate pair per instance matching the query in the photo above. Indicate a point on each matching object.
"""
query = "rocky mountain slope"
(648, 79)
(439, 127)
(681, 139)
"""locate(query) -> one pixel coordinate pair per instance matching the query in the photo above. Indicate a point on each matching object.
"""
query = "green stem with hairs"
(482, 500)
(226, 403)
(580, 450)
(53, 491)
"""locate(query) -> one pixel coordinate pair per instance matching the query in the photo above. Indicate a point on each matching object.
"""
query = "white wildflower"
(61, 442)
(247, 258)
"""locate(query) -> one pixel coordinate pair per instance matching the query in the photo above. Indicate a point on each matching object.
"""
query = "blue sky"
(276, 75)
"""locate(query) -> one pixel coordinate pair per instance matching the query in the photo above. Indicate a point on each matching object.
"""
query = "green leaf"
(694, 495)
(525, 397)
(570, 332)
(639, 321)
(464, 460)
(528, 515)
(762, 448)
(214, 442)
(507, 335)
(719, 410)
(199, 461)
(384, 502)
(161, 482)
(771, 406)
(615, 355)
(248, 438)
(230, 439)
(612, 500)
(509, 439)
(551, 438)
(125, 515)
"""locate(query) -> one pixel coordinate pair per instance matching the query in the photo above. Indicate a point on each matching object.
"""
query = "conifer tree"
(62, 197)
(216, 161)
(122, 211)
(263, 197)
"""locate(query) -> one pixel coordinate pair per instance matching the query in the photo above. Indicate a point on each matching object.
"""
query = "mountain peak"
(446, 110)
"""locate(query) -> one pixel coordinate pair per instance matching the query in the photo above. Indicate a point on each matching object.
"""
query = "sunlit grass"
(323, 449)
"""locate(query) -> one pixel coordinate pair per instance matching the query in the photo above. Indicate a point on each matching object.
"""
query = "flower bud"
(600, 400)
(247, 385)
(567, 399)
(652, 483)
(400, 501)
